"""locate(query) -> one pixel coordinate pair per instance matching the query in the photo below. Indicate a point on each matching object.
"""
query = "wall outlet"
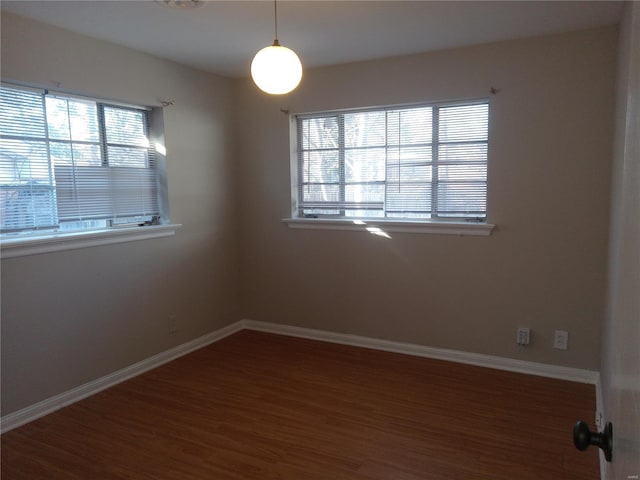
(172, 324)
(561, 340)
(523, 336)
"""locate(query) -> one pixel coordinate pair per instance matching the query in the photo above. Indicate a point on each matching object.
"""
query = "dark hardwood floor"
(262, 406)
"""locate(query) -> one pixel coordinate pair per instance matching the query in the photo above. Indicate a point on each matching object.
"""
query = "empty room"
(359, 240)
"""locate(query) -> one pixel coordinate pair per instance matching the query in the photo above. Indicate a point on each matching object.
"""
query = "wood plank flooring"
(262, 406)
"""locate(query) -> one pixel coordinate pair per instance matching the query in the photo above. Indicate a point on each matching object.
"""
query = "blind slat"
(105, 192)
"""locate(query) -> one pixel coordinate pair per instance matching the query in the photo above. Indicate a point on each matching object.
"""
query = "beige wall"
(73, 316)
(620, 366)
(549, 177)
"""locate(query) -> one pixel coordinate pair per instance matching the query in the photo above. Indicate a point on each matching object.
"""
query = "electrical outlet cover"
(523, 336)
(561, 340)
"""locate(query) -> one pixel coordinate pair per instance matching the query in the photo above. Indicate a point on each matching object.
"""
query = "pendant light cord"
(275, 16)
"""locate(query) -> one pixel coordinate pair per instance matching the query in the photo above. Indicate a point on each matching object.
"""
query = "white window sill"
(19, 247)
(385, 226)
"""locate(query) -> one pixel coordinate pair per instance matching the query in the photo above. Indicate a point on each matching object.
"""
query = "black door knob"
(583, 437)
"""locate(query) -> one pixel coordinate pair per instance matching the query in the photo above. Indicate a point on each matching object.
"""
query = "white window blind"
(421, 162)
(73, 164)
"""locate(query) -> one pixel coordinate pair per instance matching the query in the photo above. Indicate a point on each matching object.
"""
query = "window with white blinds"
(425, 162)
(70, 164)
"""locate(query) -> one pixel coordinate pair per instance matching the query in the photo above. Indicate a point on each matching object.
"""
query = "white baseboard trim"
(478, 359)
(51, 404)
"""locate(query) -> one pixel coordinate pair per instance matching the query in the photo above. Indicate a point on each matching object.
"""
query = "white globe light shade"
(276, 70)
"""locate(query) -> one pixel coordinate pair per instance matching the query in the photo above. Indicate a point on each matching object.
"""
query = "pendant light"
(276, 69)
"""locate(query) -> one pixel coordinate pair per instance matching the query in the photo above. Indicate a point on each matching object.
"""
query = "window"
(418, 163)
(71, 164)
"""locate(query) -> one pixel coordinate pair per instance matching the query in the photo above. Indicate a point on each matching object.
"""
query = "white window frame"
(51, 240)
(377, 225)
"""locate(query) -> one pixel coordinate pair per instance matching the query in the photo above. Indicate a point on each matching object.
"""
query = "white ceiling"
(223, 36)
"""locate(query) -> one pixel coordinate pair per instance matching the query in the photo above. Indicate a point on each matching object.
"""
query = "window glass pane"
(464, 123)
(371, 196)
(86, 154)
(365, 129)
(399, 173)
(28, 207)
(21, 113)
(379, 213)
(364, 165)
(462, 172)
(365, 192)
(469, 198)
(137, 219)
(322, 193)
(58, 119)
(412, 216)
(26, 191)
(321, 167)
(78, 154)
(69, 119)
(320, 133)
(408, 199)
(60, 153)
(408, 165)
(471, 152)
(410, 126)
(409, 155)
(83, 121)
(23, 162)
(319, 211)
(125, 127)
(83, 225)
(128, 157)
